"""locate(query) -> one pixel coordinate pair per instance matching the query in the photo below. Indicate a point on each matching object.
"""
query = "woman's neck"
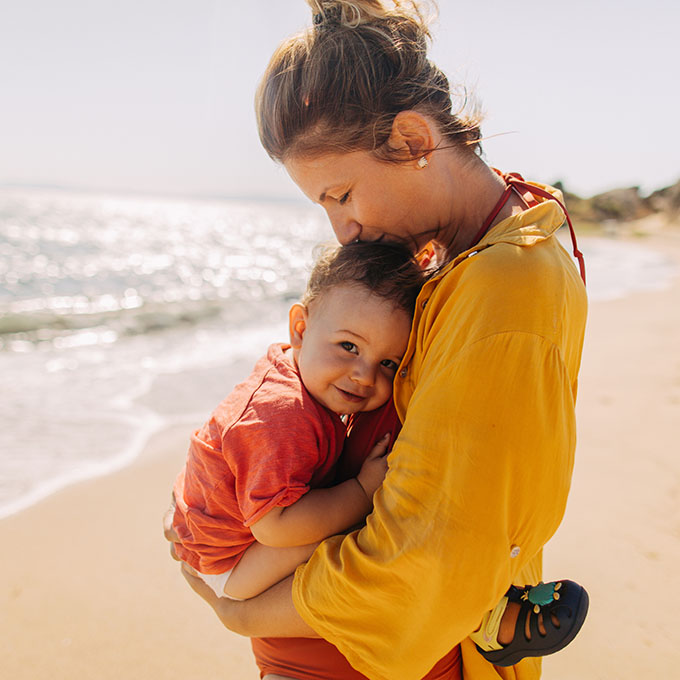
(475, 189)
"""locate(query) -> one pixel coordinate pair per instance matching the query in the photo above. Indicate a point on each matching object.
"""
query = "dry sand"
(88, 591)
(621, 533)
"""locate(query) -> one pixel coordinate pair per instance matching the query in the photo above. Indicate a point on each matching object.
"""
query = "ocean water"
(121, 315)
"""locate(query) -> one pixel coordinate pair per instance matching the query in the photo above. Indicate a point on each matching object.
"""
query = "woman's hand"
(168, 530)
(270, 614)
(227, 610)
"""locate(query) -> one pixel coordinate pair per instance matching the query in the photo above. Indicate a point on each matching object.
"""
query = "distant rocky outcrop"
(666, 201)
(624, 205)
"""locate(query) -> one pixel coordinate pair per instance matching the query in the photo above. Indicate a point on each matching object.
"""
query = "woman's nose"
(346, 229)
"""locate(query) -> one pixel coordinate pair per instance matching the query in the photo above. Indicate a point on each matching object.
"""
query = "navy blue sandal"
(565, 600)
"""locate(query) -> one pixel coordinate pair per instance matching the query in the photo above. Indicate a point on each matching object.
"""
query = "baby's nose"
(364, 374)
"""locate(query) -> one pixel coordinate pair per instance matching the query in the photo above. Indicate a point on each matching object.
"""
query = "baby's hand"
(374, 469)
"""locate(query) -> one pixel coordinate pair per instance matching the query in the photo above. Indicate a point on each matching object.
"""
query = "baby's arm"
(262, 566)
(325, 512)
(287, 537)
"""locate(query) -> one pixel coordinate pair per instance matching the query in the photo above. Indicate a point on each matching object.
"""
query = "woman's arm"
(270, 614)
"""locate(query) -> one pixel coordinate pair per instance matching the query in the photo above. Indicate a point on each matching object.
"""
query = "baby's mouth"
(350, 396)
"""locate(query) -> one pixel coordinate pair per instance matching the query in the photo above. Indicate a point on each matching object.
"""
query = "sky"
(156, 96)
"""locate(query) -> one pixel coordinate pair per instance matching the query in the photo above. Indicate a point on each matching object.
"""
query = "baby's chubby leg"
(262, 566)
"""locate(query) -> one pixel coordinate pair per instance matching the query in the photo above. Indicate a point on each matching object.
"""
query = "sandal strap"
(486, 636)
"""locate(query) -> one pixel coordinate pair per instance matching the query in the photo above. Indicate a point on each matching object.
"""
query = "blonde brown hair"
(338, 86)
(387, 270)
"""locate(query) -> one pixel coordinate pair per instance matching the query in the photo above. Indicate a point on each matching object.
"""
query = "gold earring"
(422, 163)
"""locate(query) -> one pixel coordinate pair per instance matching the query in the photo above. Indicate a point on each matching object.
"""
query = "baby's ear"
(297, 324)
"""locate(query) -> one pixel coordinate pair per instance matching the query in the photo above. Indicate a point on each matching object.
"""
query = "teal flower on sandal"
(542, 594)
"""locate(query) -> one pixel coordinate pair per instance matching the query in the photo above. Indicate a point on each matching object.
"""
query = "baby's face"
(348, 345)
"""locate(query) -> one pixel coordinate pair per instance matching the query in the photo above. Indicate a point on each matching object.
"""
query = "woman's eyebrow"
(322, 196)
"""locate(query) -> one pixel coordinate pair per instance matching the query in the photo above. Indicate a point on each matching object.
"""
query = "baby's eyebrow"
(356, 335)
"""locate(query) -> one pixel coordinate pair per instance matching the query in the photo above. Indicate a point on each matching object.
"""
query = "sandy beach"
(87, 588)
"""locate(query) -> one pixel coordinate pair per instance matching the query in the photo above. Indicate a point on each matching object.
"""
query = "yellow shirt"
(479, 476)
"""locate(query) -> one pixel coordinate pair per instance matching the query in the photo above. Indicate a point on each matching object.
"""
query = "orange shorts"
(316, 659)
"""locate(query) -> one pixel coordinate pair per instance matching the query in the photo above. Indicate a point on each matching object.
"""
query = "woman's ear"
(412, 135)
(297, 324)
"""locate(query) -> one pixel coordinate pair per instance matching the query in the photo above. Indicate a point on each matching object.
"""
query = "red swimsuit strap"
(515, 182)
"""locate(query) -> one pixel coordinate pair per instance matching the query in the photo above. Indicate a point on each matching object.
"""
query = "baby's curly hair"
(387, 270)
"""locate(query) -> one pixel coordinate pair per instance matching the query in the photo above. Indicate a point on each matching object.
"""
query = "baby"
(259, 490)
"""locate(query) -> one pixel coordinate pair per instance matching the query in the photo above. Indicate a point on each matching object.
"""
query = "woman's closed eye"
(350, 347)
(344, 198)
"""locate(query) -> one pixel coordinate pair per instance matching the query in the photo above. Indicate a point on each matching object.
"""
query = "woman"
(479, 476)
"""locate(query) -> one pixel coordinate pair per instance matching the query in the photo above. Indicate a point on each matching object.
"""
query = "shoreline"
(153, 410)
(74, 582)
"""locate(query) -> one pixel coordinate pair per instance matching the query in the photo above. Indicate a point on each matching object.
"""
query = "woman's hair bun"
(338, 86)
(353, 13)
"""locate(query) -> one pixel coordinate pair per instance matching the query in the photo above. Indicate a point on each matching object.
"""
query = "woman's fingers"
(168, 517)
(227, 610)
(199, 586)
(187, 568)
(168, 530)
(169, 533)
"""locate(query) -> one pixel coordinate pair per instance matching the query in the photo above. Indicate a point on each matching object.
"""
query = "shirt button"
(514, 551)
(403, 373)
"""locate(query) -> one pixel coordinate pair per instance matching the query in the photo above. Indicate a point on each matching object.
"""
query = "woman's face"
(368, 199)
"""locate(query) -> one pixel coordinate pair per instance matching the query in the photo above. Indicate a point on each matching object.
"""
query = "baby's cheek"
(383, 391)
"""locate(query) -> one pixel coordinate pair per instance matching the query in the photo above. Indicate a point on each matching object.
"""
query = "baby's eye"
(388, 363)
(350, 347)
(344, 198)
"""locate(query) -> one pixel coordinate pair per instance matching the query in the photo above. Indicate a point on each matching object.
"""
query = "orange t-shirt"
(264, 446)
(315, 658)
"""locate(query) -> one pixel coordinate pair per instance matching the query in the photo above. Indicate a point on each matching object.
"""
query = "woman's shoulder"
(508, 287)
(510, 271)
